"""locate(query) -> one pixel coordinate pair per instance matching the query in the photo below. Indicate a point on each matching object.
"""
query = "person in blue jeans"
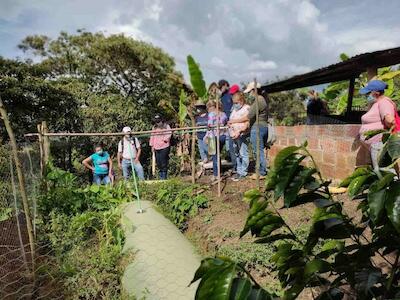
(227, 103)
(100, 164)
(201, 120)
(263, 124)
(129, 151)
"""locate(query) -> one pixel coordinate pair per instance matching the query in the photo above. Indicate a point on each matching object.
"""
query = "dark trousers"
(162, 158)
(214, 157)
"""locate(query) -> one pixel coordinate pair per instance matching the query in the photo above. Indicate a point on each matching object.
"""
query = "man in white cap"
(263, 121)
(129, 150)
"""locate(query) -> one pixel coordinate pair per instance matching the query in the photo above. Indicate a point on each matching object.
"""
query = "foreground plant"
(340, 257)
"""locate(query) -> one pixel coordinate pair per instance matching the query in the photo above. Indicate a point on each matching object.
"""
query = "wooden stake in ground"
(257, 135)
(46, 144)
(218, 151)
(41, 150)
(21, 180)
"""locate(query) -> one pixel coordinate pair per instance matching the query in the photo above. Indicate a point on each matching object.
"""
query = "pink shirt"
(374, 118)
(237, 128)
(162, 139)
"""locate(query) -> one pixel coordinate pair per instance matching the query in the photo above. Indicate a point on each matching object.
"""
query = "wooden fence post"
(218, 149)
(41, 150)
(21, 181)
(46, 144)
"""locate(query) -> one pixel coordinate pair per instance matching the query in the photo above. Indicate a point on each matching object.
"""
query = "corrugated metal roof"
(345, 70)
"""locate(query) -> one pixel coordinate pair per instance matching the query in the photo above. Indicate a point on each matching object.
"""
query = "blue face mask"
(100, 152)
(237, 106)
(370, 98)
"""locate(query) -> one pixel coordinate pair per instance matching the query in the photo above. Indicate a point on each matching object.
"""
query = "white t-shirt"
(125, 150)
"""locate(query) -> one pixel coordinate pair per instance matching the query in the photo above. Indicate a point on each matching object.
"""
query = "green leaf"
(296, 184)
(196, 77)
(344, 56)
(94, 188)
(393, 205)
(377, 196)
(329, 245)
(182, 107)
(5, 213)
(316, 266)
(371, 133)
(389, 75)
(356, 185)
(283, 155)
(393, 146)
(358, 172)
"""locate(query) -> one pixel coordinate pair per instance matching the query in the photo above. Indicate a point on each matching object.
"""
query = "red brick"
(341, 161)
(329, 158)
(289, 131)
(298, 130)
(313, 143)
(352, 131)
(291, 141)
(327, 145)
(344, 146)
(342, 173)
(280, 130)
(283, 141)
(327, 171)
(317, 155)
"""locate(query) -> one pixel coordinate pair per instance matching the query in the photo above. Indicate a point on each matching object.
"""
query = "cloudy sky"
(232, 39)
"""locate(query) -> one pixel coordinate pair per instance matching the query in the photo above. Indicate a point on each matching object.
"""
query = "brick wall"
(335, 148)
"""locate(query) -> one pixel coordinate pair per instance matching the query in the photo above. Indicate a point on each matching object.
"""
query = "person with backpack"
(160, 143)
(100, 164)
(382, 114)
(129, 151)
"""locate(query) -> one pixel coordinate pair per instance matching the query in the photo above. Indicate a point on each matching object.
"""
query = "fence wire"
(23, 276)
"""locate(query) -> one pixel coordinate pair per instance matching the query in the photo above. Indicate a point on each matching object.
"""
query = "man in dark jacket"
(226, 99)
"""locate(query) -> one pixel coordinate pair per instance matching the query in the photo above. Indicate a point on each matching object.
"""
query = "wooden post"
(218, 151)
(350, 97)
(46, 144)
(371, 73)
(21, 181)
(193, 149)
(257, 135)
(41, 150)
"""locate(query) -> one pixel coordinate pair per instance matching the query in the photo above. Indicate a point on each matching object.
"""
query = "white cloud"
(262, 65)
(217, 62)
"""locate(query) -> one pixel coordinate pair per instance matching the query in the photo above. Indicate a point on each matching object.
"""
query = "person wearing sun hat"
(129, 150)
(381, 115)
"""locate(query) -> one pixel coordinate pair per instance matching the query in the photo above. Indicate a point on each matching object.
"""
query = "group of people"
(238, 122)
(128, 155)
(236, 118)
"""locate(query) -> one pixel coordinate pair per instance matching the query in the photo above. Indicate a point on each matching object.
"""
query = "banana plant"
(336, 260)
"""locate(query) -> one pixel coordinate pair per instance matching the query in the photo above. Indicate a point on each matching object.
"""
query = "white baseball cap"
(126, 129)
(250, 87)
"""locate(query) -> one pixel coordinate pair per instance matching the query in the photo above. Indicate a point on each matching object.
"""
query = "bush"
(337, 256)
(82, 229)
(178, 200)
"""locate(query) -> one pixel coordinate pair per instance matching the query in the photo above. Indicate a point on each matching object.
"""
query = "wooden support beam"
(350, 97)
(371, 73)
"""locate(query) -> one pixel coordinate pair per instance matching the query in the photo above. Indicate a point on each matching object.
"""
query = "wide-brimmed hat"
(250, 87)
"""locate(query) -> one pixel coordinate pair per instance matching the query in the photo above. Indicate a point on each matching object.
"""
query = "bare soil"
(220, 224)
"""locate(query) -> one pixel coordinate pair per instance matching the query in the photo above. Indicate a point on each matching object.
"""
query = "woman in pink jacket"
(160, 144)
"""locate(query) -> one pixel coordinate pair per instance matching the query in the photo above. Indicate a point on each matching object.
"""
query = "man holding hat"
(129, 151)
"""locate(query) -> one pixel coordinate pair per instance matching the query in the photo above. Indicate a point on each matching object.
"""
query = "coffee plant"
(342, 257)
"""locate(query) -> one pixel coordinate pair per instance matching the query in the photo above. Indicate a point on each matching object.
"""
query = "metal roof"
(345, 70)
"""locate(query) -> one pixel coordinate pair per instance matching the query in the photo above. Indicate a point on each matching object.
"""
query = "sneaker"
(238, 177)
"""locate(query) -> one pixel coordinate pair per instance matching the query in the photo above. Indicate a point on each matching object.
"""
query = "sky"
(236, 40)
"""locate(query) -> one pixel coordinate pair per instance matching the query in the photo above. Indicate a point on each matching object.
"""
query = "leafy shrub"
(337, 256)
(178, 200)
(81, 226)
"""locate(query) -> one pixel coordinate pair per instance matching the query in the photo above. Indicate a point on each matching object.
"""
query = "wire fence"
(23, 275)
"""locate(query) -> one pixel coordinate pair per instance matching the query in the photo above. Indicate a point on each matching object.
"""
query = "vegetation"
(340, 257)
(178, 200)
(81, 228)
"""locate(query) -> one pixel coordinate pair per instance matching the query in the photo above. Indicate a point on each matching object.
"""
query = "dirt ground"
(219, 225)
